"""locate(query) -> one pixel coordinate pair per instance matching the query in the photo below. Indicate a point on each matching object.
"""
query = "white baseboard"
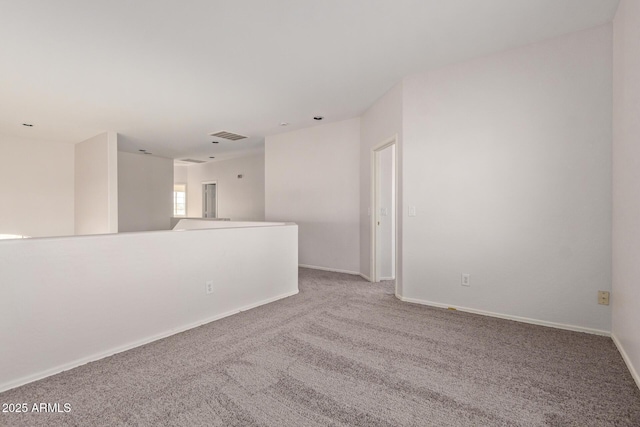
(74, 364)
(626, 359)
(387, 278)
(509, 317)
(335, 270)
(365, 277)
(266, 301)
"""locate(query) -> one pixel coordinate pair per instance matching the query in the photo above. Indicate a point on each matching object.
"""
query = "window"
(180, 200)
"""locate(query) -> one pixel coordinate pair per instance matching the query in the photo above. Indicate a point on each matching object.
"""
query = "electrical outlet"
(603, 297)
(465, 280)
(209, 287)
(412, 211)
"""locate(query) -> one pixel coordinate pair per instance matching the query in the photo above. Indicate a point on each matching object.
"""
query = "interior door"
(384, 213)
(388, 212)
(209, 201)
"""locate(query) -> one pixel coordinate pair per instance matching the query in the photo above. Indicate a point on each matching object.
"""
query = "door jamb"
(375, 171)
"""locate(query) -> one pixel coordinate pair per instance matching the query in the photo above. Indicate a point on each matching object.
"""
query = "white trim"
(391, 141)
(387, 278)
(509, 317)
(335, 270)
(626, 359)
(53, 371)
(266, 301)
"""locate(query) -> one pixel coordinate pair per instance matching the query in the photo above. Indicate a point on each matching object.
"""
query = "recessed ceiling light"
(318, 118)
(146, 152)
(284, 124)
(214, 142)
(211, 157)
(29, 125)
(142, 150)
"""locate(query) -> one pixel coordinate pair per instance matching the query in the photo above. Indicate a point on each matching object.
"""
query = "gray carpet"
(347, 352)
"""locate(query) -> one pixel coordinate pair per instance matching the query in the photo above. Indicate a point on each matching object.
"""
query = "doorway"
(384, 212)
(209, 199)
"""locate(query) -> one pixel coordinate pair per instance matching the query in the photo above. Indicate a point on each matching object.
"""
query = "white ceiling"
(164, 74)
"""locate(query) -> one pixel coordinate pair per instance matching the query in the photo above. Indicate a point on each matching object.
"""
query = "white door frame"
(203, 196)
(375, 190)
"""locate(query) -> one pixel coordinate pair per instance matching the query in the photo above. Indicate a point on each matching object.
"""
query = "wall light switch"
(465, 280)
(209, 287)
(412, 211)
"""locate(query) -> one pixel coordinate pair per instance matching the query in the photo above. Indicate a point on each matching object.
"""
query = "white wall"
(625, 297)
(37, 190)
(238, 199)
(313, 179)
(67, 301)
(145, 192)
(508, 161)
(382, 121)
(96, 185)
(180, 174)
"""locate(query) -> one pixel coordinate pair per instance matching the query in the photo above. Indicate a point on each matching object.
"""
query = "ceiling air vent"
(192, 161)
(228, 135)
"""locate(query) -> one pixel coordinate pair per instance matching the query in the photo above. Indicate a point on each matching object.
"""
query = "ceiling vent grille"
(228, 135)
(192, 161)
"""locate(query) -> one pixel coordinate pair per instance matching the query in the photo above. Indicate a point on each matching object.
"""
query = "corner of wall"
(625, 180)
(381, 121)
(96, 184)
(112, 156)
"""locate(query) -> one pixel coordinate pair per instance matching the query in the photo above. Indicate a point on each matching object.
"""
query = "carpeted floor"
(347, 352)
